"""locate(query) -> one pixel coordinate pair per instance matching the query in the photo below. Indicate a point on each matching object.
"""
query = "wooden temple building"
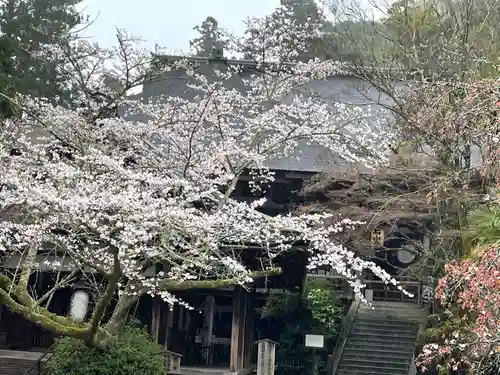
(219, 335)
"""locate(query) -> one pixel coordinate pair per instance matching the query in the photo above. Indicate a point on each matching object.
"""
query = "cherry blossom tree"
(147, 204)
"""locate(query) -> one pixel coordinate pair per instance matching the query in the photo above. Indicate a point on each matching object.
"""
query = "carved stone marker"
(172, 362)
(266, 357)
(369, 295)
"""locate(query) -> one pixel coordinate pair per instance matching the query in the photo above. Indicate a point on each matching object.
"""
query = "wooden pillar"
(236, 349)
(243, 329)
(249, 334)
(180, 322)
(187, 320)
(169, 326)
(156, 318)
(208, 327)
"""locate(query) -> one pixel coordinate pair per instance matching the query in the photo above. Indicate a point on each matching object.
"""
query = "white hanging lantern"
(407, 256)
(79, 305)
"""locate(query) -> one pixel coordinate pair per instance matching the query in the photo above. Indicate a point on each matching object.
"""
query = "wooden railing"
(340, 285)
(381, 290)
(390, 293)
(37, 368)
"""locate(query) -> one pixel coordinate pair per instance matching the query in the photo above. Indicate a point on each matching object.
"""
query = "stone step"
(395, 304)
(391, 306)
(382, 330)
(388, 356)
(397, 317)
(360, 342)
(379, 364)
(369, 372)
(19, 354)
(388, 308)
(366, 326)
(398, 304)
(202, 371)
(365, 369)
(376, 307)
(15, 366)
(383, 336)
(382, 351)
(375, 321)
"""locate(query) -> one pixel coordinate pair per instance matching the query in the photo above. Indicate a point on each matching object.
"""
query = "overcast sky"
(168, 22)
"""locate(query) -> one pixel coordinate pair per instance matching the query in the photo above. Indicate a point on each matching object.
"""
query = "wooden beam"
(15, 261)
(284, 176)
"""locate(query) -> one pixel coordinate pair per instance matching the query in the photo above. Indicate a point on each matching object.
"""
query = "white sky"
(169, 22)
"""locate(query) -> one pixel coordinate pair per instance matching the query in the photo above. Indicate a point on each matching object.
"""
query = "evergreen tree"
(211, 38)
(26, 27)
(6, 75)
(303, 14)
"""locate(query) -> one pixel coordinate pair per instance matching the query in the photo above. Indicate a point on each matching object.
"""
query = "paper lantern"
(79, 305)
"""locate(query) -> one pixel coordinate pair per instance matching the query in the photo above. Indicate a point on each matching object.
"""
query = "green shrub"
(133, 353)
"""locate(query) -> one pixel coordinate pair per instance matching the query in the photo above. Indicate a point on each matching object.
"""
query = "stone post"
(266, 357)
(369, 295)
(172, 362)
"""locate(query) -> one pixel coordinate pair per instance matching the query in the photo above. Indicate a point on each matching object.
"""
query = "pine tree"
(27, 26)
(211, 38)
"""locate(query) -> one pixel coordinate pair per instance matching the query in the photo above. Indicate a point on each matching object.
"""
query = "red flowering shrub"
(470, 291)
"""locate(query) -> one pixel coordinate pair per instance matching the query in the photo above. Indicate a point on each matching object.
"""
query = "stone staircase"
(13, 362)
(382, 340)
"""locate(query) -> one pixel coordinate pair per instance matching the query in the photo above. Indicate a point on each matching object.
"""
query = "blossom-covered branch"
(142, 192)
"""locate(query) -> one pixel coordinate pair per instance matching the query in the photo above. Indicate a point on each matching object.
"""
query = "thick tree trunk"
(121, 312)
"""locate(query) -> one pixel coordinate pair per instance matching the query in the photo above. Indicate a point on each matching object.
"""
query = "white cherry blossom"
(152, 189)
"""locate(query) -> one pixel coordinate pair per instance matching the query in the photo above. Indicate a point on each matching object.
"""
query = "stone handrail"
(413, 367)
(172, 362)
(421, 331)
(345, 330)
